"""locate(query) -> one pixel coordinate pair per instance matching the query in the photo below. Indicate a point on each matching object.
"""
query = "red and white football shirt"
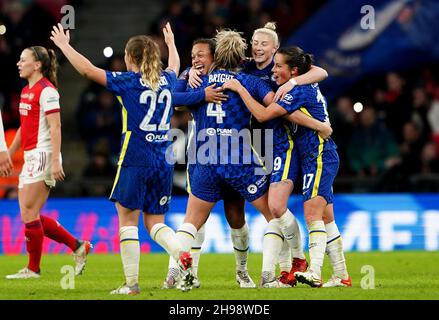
(35, 103)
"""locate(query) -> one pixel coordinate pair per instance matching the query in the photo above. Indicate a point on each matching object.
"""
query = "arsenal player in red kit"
(40, 138)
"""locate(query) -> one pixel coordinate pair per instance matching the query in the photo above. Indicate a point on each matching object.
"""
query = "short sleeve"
(49, 100)
(293, 100)
(171, 77)
(117, 82)
(257, 88)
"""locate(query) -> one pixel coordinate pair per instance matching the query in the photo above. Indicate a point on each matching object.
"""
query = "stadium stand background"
(391, 146)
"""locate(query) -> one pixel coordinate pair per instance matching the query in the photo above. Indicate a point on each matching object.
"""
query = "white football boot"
(24, 273)
(244, 279)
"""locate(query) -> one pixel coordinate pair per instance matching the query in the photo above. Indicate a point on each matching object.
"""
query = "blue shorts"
(213, 183)
(319, 174)
(146, 188)
(227, 194)
(285, 165)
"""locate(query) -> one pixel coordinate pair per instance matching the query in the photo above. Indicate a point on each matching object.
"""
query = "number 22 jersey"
(146, 117)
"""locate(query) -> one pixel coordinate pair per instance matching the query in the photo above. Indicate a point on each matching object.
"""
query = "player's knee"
(28, 215)
(276, 209)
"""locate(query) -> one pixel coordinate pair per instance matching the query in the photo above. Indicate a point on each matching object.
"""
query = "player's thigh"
(197, 211)
(261, 204)
(127, 217)
(31, 198)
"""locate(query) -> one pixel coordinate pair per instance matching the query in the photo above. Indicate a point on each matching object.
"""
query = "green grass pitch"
(398, 275)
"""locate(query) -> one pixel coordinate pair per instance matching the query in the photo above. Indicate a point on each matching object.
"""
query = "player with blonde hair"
(143, 181)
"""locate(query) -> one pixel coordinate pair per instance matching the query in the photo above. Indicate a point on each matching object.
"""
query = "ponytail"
(49, 62)
(52, 71)
(145, 54)
(296, 57)
(151, 68)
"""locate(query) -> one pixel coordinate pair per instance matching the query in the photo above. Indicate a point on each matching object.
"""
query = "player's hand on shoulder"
(325, 130)
(232, 84)
(194, 78)
(215, 95)
(60, 36)
(283, 90)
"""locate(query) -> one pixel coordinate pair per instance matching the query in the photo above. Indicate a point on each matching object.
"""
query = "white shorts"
(37, 167)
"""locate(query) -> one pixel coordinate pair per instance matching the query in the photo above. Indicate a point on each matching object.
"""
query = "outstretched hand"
(60, 36)
(168, 34)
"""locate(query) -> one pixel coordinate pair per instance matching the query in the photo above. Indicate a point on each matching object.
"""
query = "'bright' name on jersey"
(220, 77)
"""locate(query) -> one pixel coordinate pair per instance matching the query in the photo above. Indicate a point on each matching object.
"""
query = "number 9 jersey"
(146, 117)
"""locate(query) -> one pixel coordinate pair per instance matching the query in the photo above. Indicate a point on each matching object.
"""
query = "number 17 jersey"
(146, 117)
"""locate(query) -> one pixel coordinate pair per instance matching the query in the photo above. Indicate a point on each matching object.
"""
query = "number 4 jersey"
(229, 122)
(146, 116)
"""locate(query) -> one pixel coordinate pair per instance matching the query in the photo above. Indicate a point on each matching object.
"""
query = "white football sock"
(334, 249)
(130, 253)
(271, 246)
(285, 257)
(196, 250)
(317, 245)
(290, 230)
(240, 240)
(166, 237)
(186, 235)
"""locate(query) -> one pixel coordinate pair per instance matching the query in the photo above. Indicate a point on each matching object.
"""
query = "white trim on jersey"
(3, 146)
(49, 102)
(49, 99)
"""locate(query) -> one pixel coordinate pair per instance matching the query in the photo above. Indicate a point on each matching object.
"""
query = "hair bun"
(270, 25)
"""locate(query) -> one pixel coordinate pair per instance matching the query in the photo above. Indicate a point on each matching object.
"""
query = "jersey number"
(215, 110)
(152, 97)
(322, 100)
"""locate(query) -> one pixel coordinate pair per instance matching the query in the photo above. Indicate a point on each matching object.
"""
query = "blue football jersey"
(226, 121)
(282, 130)
(146, 116)
(265, 74)
(309, 100)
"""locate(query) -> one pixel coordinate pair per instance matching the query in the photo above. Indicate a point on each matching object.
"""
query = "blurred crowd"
(392, 139)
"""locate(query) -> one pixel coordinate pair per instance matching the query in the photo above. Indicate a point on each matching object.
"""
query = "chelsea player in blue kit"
(319, 164)
(143, 181)
(202, 59)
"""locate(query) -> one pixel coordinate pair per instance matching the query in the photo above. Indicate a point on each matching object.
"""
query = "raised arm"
(61, 39)
(173, 57)
(314, 75)
(261, 113)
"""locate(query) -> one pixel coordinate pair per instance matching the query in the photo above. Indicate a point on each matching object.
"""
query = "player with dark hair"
(40, 137)
(319, 163)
